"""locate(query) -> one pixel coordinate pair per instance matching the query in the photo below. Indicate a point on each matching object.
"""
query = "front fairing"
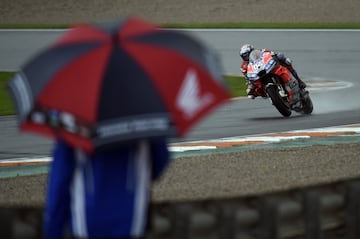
(260, 63)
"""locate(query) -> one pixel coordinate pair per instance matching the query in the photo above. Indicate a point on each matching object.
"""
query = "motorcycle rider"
(245, 51)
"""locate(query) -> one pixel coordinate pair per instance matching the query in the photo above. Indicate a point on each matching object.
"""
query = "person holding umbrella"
(111, 95)
(104, 194)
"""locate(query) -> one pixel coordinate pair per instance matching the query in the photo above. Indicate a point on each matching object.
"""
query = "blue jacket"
(103, 195)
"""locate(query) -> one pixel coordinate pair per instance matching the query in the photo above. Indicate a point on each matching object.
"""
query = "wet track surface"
(319, 57)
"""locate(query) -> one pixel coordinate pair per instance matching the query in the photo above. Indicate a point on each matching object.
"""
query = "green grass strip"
(231, 25)
(34, 26)
(235, 84)
(267, 25)
(6, 105)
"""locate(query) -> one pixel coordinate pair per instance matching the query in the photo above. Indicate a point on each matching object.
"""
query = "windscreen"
(254, 55)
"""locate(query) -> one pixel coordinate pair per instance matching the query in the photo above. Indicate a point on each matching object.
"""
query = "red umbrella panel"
(101, 85)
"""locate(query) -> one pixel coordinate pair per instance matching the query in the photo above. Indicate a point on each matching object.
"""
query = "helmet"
(245, 51)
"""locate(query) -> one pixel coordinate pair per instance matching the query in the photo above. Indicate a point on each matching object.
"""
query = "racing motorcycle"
(274, 81)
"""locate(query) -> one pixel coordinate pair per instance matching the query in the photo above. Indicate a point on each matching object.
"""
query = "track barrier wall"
(321, 212)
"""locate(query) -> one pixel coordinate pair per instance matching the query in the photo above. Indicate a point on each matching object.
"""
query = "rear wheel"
(279, 103)
(307, 103)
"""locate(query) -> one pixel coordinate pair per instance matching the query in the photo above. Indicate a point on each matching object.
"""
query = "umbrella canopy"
(102, 84)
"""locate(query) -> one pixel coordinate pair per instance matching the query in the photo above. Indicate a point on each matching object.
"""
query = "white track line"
(353, 129)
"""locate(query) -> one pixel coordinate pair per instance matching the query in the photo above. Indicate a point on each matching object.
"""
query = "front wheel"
(277, 100)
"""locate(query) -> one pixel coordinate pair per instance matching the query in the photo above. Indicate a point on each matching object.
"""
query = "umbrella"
(103, 84)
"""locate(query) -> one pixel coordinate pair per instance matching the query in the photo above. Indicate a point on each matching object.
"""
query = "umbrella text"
(133, 126)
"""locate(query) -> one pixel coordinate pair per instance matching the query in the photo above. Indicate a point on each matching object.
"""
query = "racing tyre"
(307, 103)
(277, 101)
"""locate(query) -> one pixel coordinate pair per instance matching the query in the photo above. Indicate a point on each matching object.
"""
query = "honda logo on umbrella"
(189, 99)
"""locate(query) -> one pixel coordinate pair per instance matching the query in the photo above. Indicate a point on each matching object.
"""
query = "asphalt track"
(326, 59)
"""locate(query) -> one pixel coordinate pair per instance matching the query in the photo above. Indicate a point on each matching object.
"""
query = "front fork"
(290, 92)
(274, 81)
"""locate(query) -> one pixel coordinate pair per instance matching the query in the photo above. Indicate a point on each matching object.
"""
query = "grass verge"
(6, 106)
(232, 25)
(236, 85)
(343, 25)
